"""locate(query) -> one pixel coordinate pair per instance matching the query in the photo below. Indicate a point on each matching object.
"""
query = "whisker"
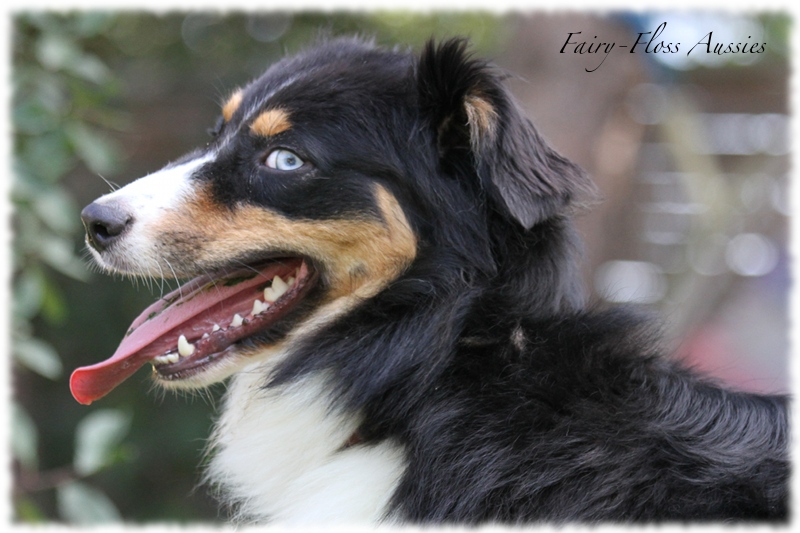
(180, 287)
(111, 185)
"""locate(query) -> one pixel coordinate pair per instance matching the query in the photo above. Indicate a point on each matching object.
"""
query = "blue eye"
(283, 160)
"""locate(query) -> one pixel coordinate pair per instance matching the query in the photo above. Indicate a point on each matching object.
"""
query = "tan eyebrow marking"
(230, 107)
(271, 122)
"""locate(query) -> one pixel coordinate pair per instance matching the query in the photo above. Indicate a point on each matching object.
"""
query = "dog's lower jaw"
(280, 454)
(232, 362)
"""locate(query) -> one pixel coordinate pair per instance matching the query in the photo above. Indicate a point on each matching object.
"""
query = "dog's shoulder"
(533, 412)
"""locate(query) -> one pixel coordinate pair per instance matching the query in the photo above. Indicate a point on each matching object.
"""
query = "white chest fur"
(279, 456)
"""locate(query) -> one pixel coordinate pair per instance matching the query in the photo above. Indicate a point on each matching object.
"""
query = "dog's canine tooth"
(237, 321)
(185, 348)
(279, 285)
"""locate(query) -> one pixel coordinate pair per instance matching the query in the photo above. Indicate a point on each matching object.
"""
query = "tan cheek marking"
(379, 250)
(402, 241)
(230, 107)
(271, 122)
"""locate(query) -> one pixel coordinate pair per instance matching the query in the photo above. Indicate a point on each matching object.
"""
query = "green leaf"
(58, 253)
(22, 187)
(82, 505)
(55, 51)
(47, 156)
(24, 438)
(51, 93)
(58, 52)
(57, 210)
(33, 119)
(28, 293)
(38, 356)
(27, 512)
(39, 92)
(46, 21)
(26, 239)
(97, 437)
(91, 23)
(90, 68)
(99, 154)
(54, 307)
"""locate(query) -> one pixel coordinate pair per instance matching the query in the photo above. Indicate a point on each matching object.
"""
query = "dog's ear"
(475, 116)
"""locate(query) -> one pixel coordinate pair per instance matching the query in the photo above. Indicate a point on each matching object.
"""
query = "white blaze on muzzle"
(120, 225)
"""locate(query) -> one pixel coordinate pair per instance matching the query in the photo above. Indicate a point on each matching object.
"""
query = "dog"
(383, 265)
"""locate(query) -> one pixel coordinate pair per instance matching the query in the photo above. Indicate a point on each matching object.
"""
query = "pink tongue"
(191, 310)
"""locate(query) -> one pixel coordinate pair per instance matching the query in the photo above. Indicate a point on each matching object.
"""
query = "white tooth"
(205, 335)
(237, 321)
(258, 307)
(216, 327)
(185, 348)
(279, 287)
(172, 357)
(290, 281)
(269, 295)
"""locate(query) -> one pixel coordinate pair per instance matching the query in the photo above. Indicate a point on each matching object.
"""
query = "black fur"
(514, 401)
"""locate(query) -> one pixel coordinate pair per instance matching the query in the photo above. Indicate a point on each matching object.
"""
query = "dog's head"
(340, 174)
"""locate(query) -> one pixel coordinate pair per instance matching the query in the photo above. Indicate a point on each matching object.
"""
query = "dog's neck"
(285, 454)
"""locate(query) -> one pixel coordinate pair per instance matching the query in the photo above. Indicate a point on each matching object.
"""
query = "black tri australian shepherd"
(381, 261)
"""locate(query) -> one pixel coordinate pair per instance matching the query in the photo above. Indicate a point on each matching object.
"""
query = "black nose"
(104, 224)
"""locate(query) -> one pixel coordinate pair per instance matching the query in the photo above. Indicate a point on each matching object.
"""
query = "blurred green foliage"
(61, 111)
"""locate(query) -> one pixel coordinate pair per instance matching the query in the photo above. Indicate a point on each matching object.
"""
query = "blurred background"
(690, 153)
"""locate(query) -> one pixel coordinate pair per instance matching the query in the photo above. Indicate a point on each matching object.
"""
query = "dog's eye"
(283, 160)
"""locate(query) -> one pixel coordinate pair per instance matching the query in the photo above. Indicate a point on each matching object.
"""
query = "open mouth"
(193, 328)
